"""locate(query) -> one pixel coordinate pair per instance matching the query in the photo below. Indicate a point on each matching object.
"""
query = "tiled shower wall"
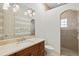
(78, 31)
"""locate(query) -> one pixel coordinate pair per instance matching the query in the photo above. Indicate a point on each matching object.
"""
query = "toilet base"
(51, 53)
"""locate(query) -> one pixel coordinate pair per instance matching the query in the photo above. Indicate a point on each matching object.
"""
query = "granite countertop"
(11, 48)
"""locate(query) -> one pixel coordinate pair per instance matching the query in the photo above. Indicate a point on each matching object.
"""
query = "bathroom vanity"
(30, 47)
(35, 50)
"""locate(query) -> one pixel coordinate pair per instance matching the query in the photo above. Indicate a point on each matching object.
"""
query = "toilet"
(49, 50)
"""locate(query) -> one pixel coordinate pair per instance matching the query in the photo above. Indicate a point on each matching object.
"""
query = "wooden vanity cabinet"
(38, 49)
(35, 50)
(24, 52)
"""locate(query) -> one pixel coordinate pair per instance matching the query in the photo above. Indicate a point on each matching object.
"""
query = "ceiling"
(48, 6)
(53, 5)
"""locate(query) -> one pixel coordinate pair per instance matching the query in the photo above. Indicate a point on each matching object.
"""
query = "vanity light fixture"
(15, 8)
(29, 11)
(33, 13)
(6, 6)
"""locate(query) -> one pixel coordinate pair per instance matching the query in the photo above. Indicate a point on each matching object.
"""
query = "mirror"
(14, 23)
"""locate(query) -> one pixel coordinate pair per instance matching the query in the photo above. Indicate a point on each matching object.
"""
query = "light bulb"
(29, 11)
(33, 13)
(15, 8)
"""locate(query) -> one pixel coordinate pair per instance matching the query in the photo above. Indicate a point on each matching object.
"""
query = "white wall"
(48, 23)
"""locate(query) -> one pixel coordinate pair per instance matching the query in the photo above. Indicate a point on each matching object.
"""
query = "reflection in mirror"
(22, 26)
(15, 24)
(1, 25)
(33, 27)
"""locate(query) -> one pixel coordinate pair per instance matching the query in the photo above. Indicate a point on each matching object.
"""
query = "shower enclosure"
(69, 33)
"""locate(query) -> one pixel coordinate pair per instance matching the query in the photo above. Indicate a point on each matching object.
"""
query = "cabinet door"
(25, 52)
(38, 49)
(35, 50)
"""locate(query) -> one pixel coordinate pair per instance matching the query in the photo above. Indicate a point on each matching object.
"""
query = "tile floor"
(67, 52)
(52, 53)
(64, 52)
